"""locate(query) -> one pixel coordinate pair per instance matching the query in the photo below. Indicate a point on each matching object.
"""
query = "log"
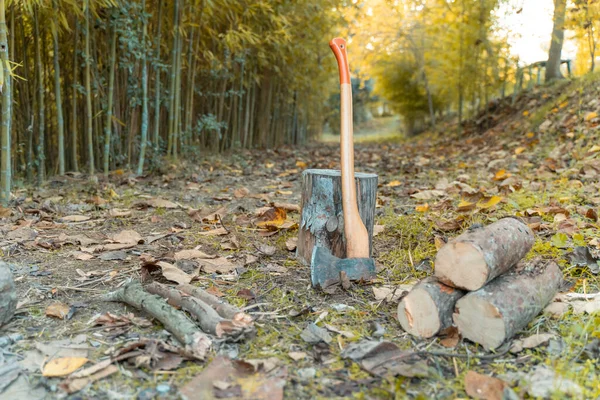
(209, 320)
(494, 313)
(322, 221)
(223, 308)
(427, 308)
(8, 294)
(185, 331)
(474, 258)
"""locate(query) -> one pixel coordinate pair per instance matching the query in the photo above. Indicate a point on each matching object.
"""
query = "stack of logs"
(480, 287)
(8, 294)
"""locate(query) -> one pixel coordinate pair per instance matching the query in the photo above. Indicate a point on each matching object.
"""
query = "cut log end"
(428, 308)
(461, 265)
(418, 314)
(480, 321)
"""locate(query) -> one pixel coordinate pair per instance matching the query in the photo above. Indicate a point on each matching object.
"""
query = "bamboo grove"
(99, 85)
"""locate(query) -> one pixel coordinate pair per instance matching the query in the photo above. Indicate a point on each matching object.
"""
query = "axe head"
(325, 268)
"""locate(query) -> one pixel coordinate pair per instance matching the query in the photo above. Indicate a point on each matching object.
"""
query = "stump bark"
(494, 313)
(427, 308)
(8, 294)
(474, 258)
(322, 221)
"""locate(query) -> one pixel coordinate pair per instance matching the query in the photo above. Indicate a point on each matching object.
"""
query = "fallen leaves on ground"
(225, 378)
(485, 387)
(63, 366)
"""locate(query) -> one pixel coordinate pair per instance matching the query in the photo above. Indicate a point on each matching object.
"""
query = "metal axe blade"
(326, 268)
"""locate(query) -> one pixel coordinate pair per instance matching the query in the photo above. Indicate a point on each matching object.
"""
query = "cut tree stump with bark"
(322, 221)
(497, 311)
(8, 294)
(474, 258)
(427, 308)
(195, 341)
(209, 320)
(223, 308)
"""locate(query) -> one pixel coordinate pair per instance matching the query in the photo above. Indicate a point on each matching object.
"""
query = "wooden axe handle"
(357, 237)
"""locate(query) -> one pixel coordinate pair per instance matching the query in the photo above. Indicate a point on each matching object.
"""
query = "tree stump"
(474, 258)
(322, 221)
(497, 311)
(427, 308)
(8, 294)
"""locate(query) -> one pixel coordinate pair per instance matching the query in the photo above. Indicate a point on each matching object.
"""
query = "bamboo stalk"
(5, 168)
(109, 106)
(88, 90)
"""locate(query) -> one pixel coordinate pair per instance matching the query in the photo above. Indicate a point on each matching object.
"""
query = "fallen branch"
(427, 308)
(224, 309)
(494, 313)
(175, 321)
(208, 318)
(474, 258)
(8, 294)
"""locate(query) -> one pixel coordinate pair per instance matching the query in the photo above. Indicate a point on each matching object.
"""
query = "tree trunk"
(41, 158)
(474, 258)
(6, 87)
(322, 222)
(58, 94)
(156, 135)
(109, 105)
(144, 138)
(74, 130)
(427, 309)
(173, 77)
(558, 33)
(8, 294)
(88, 90)
(494, 313)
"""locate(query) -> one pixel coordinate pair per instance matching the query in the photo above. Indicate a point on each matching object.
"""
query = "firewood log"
(497, 311)
(427, 308)
(474, 258)
(8, 294)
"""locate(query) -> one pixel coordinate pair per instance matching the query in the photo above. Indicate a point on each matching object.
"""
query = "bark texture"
(209, 320)
(556, 44)
(494, 313)
(223, 308)
(322, 221)
(8, 294)
(175, 321)
(428, 308)
(474, 258)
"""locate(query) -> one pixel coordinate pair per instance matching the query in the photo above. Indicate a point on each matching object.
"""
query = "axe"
(326, 269)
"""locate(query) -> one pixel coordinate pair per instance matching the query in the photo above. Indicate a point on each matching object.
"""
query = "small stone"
(147, 394)
(163, 388)
(307, 373)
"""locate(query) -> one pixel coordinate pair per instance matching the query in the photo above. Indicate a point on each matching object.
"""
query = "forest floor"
(537, 158)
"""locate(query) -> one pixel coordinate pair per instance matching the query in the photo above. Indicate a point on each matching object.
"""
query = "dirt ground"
(430, 189)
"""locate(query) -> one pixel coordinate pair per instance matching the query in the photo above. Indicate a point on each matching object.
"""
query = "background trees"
(105, 84)
(119, 84)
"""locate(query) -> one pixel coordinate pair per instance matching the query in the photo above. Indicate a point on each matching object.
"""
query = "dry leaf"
(76, 384)
(428, 194)
(79, 255)
(422, 208)
(63, 366)
(191, 254)
(491, 202)
(289, 207)
(58, 310)
(127, 237)
(465, 206)
(219, 265)
(75, 218)
(291, 243)
(394, 184)
(591, 115)
(502, 175)
(168, 271)
(530, 342)
(214, 232)
(484, 387)
(241, 193)
(117, 212)
(161, 203)
(273, 217)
